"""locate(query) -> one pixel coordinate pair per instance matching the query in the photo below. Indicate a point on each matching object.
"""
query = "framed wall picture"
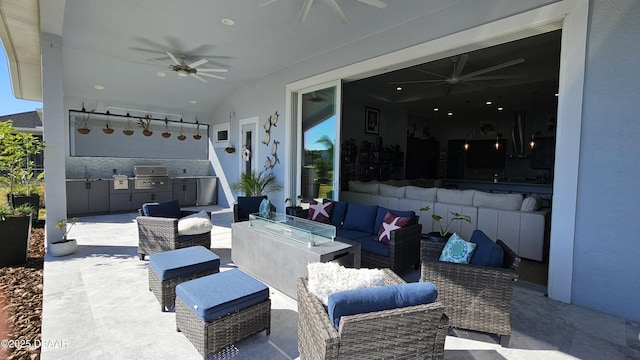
(371, 121)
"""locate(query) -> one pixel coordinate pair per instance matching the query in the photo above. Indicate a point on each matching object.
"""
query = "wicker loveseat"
(475, 297)
(159, 231)
(414, 332)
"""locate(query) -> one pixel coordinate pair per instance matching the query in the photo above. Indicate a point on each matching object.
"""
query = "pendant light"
(497, 144)
(466, 130)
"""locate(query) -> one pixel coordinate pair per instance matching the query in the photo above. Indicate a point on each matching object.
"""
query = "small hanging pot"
(107, 127)
(166, 134)
(127, 129)
(181, 137)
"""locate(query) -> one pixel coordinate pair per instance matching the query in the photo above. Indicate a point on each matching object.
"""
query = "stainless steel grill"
(150, 177)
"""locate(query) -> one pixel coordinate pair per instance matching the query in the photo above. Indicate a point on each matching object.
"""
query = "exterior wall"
(606, 244)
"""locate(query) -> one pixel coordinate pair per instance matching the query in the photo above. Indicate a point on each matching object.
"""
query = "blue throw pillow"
(379, 298)
(457, 250)
(338, 213)
(265, 209)
(169, 209)
(487, 253)
(360, 217)
(382, 211)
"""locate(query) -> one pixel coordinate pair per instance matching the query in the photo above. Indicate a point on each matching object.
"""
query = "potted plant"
(65, 246)
(294, 208)
(166, 134)
(443, 227)
(83, 122)
(15, 227)
(256, 183)
(145, 124)
(17, 154)
(107, 129)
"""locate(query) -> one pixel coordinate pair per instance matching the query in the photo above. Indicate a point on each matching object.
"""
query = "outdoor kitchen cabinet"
(185, 190)
(140, 197)
(87, 196)
(120, 197)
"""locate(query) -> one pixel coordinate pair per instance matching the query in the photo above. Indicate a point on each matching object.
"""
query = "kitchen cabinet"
(87, 196)
(141, 197)
(185, 190)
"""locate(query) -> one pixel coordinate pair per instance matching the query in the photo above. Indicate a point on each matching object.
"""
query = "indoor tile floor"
(97, 306)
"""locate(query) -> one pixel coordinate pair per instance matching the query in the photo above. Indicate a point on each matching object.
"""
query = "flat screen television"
(482, 154)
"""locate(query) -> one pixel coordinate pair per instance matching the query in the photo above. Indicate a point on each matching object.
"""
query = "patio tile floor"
(97, 305)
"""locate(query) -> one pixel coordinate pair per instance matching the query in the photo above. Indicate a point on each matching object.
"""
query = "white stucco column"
(54, 134)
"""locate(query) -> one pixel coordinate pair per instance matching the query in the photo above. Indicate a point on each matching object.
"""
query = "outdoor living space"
(97, 305)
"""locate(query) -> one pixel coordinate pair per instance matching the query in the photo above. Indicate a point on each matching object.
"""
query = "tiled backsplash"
(103, 167)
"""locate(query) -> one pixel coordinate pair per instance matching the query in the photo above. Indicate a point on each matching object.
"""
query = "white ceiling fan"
(457, 77)
(333, 5)
(192, 69)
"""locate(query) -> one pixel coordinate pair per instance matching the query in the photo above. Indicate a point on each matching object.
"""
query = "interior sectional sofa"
(517, 219)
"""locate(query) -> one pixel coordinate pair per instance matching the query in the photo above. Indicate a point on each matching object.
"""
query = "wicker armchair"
(475, 297)
(414, 332)
(404, 251)
(158, 234)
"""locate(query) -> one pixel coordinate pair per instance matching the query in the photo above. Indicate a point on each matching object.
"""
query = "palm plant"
(256, 183)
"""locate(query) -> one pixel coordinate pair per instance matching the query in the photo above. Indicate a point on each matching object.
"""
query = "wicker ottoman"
(170, 268)
(218, 310)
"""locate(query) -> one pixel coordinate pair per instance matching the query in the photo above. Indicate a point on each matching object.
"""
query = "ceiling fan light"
(182, 72)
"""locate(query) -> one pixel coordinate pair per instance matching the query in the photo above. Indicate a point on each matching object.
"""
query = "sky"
(8, 103)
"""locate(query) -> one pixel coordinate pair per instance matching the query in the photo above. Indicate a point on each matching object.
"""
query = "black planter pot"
(295, 211)
(435, 236)
(33, 200)
(14, 243)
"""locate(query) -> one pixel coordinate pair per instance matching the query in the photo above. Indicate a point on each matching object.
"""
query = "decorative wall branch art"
(273, 159)
(272, 120)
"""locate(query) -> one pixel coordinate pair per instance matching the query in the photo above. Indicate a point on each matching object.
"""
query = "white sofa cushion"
(531, 203)
(364, 187)
(420, 193)
(390, 190)
(452, 196)
(497, 201)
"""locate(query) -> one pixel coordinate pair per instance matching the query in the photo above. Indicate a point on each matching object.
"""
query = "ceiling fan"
(457, 77)
(333, 5)
(183, 69)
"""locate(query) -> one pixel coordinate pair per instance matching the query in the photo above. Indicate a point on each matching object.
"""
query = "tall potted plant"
(254, 183)
(17, 154)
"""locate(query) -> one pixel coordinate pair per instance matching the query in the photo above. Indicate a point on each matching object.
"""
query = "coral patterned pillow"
(389, 223)
(320, 212)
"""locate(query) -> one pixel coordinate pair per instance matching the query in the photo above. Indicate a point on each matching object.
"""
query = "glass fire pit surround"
(309, 232)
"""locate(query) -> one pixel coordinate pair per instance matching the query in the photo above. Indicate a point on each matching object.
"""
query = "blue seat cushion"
(382, 211)
(380, 298)
(248, 205)
(338, 213)
(183, 262)
(169, 209)
(351, 234)
(360, 218)
(371, 245)
(214, 296)
(487, 253)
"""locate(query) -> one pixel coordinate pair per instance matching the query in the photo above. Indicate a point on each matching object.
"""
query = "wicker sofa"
(415, 332)
(158, 232)
(475, 297)
(361, 223)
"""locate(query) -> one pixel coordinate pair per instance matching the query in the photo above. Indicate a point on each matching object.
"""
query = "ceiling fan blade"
(430, 73)
(211, 75)
(305, 10)
(267, 3)
(199, 78)
(491, 68)
(336, 9)
(449, 90)
(376, 3)
(496, 77)
(173, 58)
(460, 63)
(197, 63)
(212, 70)
(156, 60)
(418, 82)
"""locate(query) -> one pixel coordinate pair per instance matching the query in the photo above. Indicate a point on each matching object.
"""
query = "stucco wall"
(606, 266)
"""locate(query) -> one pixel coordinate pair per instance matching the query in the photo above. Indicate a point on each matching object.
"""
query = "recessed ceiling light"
(194, 101)
(500, 108)
(99, 87)
(450, 113)
(161, 74)
(488, 102)
(398, 88)
(228, 22)
(435, 109)
(557, 94)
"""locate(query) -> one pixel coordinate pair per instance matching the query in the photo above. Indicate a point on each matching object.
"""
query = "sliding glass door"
(319, 137)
